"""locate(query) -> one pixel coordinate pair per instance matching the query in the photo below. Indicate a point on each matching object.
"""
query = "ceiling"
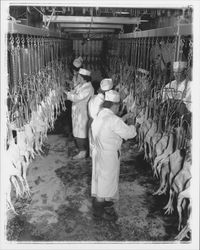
(92, 20)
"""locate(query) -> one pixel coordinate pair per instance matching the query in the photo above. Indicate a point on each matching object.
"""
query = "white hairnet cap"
(84, 72)
(106, 84)
(179, 65)
(78, 62)
(112, 96)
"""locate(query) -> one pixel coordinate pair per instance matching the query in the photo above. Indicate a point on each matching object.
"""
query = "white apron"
(108, 130)
(80, 97)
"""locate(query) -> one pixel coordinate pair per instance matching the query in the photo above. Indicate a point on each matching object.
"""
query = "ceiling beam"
(93, 26)
(87, 30)
(89, 19)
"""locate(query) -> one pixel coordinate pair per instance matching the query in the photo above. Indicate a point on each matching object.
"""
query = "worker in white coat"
(95, 104)
(71, 84)
(180, 88)
(80, 97)
(108, 131)
(77, 64)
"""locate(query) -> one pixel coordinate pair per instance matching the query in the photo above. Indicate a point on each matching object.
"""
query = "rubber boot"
(100, 213)
(110, 211)
(98, 209)
(108, 204)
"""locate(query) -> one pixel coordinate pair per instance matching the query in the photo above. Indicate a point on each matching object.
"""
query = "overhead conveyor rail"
(183, 29)
(93, 26)
(89, 19)
(16, 28)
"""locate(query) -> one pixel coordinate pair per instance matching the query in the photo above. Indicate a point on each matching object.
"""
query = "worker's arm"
(127, 116)
(80, 96)
(122, 129)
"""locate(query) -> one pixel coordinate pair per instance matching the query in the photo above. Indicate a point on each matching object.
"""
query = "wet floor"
(60, 205)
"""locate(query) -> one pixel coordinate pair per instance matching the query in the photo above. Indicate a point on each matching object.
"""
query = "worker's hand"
(69, 84)
(139, 120)
(137, 125)
(130, 121)
(127, 116)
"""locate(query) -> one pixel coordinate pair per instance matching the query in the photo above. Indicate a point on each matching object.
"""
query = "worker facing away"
(97, 100)
(80, 97)
(108, 132)
(95, 104)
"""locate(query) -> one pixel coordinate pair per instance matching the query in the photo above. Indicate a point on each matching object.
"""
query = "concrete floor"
(60, 206)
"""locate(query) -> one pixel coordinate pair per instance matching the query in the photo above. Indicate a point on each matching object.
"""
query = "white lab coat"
(178, 91)
(75, 81)
(80, 97)
(108, 131)
(94, 106)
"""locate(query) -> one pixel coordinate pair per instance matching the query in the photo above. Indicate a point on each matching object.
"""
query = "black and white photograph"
(100, 124)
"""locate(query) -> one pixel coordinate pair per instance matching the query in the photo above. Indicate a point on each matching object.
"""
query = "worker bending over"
(108, 131)
(80, 97)
(95, 104)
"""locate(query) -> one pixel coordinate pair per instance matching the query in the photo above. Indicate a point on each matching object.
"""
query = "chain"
(29, 54)
(148, 52)
(13, 70)
(24, 61)
(42, 52)
(138, 54)
(132, 52)
(38, 53)
(189, 63)
(32, 55)
(181, 44)
(46, 51)
(35, 54)
(135, 52)
(19, 61)
(23, 41)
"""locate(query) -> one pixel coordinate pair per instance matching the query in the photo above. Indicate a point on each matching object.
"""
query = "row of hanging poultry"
(164, 135)
(25, 140)
(35, 99)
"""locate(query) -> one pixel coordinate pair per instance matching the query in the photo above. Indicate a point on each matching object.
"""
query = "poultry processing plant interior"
(98, 124)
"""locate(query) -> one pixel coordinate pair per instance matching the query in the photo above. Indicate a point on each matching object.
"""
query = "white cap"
(84, 72)
(112, 96)
(78, 62)
(179, 65)
(106, 84)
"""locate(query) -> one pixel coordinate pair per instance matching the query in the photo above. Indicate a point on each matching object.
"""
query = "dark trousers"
(81, 143)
